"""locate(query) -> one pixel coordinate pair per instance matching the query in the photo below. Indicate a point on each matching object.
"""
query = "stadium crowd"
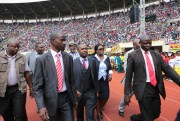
(105, 29)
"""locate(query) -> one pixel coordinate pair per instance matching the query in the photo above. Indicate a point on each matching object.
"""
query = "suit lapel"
(141, 58)
(65, 62)
(51, 62)
(91, 67)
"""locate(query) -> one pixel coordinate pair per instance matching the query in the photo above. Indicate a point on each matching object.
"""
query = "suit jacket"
(136, 65)
(31, 58)
(78, 74)
(45, 81)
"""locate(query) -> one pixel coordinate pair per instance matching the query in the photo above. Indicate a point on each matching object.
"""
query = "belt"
(12, 86)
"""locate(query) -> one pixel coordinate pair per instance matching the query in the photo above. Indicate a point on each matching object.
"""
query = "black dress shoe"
(121, 114)
(101, 114)
(137, 117)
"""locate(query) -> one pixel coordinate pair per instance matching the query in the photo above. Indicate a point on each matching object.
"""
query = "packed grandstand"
(107, 29)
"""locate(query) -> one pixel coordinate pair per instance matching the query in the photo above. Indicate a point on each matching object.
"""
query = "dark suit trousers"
(12, 106)
(88, 100)
(150, 104)
(64, 109)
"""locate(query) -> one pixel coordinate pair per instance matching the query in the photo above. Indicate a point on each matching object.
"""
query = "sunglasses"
(101, 49)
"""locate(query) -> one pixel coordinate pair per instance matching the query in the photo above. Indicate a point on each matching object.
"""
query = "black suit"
(45, 87)
(86, 81)
(146, 94)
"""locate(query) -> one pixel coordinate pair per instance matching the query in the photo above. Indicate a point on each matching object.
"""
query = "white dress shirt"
(102, 68)
(61, 60)
(150, 57)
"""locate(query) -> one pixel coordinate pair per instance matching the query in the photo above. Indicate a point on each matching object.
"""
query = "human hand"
(110, 77)
(44, 114)
(31, 93)
(127, 99)
(75, 105)
(78, 93)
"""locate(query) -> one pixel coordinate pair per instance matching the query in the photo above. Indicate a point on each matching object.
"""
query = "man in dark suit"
(53, 82)
(86, 82)
(147, 67)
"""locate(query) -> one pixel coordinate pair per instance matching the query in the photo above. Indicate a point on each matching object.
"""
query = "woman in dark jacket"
(104, 75)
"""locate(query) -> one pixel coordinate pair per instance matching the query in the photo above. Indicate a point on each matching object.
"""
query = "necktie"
(59, 72)
(84, 63)
(150, 70)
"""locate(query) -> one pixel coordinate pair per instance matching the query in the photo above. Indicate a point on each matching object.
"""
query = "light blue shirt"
(86, 61)
(61, 59)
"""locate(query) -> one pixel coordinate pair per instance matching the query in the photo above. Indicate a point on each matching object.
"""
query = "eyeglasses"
(101, 49)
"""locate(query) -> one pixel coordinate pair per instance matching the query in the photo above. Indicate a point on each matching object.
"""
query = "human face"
(59, 43)
(72, 48)
(83, 50)
(100, 50)
(40, 48)
(146, 44)
(12, 48)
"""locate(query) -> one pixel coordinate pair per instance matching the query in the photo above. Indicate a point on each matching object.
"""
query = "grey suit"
(86, 81)
(45, 84)
(31, 58)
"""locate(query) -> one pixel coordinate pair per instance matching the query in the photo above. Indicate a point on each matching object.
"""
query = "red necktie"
(150, 70)
(84, 63)
(59, 72)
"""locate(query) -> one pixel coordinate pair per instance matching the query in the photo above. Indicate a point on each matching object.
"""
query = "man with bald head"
(86, 81)
(14, 76)
(53, 82)
(144, 67)
(122, 105)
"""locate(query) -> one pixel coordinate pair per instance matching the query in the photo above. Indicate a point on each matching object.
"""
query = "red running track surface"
(169, 107)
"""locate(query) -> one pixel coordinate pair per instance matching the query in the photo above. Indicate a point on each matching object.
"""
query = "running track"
(169, 107)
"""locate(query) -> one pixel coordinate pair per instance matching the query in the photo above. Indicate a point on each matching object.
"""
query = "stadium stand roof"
(54, 8)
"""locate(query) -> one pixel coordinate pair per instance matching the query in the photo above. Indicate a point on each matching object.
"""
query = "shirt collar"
(99, 59)
(54, 53)
(9, 55)
(81, 59)
(144, 51)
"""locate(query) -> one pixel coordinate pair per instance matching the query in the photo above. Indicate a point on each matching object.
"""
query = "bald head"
(136, 44)
(56, 34)
(145, 41)
(12, 47)
(12, 41)
(145, 37)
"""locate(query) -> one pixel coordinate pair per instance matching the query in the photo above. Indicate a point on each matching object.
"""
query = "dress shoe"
(137, 117)
(121, 114)
(101, 114)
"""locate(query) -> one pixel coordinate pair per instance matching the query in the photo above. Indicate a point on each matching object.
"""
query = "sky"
(20, 1)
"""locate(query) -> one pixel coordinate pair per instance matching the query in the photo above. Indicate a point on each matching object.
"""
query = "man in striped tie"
(53, 82)
(147, 67)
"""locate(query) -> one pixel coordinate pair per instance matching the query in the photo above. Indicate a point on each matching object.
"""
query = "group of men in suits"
(59, 84)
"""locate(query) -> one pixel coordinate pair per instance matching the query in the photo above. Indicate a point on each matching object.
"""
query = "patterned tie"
(59, 72)
(150, 70)
(84, 63)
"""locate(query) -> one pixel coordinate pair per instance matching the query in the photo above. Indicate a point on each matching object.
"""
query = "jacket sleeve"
(72, 80)
(38, 84)
(129, 74)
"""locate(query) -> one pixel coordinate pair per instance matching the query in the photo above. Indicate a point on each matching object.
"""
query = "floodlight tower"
(142, 17)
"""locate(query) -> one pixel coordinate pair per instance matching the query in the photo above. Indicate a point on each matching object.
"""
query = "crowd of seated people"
(108, 30)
